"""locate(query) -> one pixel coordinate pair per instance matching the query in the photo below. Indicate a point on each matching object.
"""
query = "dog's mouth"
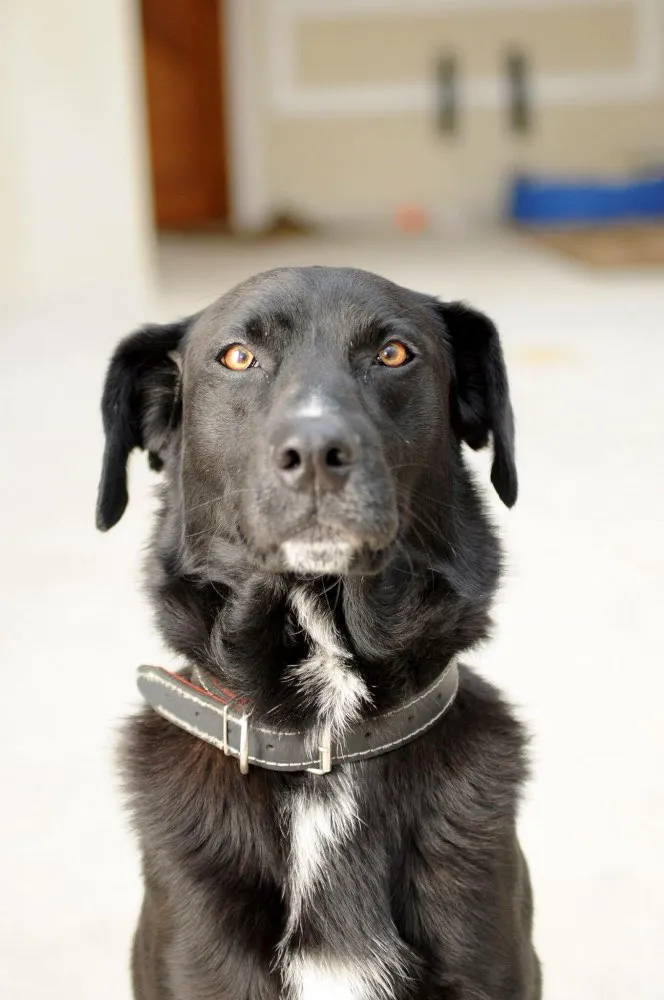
(311, 533)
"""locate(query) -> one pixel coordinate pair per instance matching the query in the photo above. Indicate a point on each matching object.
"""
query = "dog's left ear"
(140, 409)
(481, 398)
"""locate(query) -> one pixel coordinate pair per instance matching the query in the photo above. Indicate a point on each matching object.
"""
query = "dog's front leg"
(472, 920)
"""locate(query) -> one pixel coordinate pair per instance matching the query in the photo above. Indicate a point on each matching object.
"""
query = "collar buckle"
(244, 744)
(324, 758)
(243, 723)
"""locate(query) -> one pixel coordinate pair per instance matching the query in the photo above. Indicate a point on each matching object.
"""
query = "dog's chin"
(321, 554)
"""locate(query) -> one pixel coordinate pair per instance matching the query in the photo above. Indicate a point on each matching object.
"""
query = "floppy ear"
(481, 400)
(140, 408)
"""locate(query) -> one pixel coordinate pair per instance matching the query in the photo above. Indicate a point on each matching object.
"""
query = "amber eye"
(394, 354)
(237, 357)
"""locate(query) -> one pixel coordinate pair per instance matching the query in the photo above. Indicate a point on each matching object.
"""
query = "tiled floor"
(579, 622)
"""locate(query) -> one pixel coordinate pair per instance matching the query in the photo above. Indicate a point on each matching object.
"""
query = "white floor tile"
(578, 636)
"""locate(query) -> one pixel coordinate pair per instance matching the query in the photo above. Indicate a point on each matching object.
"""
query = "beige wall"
(74, 197)
(330, 164)
(400, 46)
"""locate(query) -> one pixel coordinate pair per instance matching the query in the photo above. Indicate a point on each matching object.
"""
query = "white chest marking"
(333, 978)
(329, 980)
(319, 828)
(321, 822)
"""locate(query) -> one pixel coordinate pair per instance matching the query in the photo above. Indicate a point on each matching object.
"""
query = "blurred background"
(510, 152)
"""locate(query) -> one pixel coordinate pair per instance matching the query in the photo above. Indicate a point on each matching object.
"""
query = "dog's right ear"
(140, 409)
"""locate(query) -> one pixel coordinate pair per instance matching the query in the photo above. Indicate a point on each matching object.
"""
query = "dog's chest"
(322, 817)
(321, 833)
(340, 942)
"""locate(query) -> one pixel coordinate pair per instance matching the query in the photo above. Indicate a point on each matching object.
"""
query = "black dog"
(321, 551)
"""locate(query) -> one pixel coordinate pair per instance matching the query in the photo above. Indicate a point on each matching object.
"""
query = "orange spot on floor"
(411, 219)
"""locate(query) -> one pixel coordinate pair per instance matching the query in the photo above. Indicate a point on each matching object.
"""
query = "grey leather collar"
(204, 708)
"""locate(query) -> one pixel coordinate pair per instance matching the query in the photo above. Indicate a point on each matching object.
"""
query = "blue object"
(539, 202)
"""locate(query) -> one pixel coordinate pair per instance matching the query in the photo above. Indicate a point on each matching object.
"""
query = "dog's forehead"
(295, 297)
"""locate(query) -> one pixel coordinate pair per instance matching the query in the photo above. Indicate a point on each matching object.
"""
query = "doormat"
(607, 246)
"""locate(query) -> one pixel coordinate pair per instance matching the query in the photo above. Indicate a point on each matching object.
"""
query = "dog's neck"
(322, 652)
(326, 680)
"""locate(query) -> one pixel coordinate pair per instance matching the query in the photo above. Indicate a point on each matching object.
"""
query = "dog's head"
(302, 416)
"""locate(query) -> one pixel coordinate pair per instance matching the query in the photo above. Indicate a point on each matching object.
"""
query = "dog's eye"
(237, 357)
(394, 354)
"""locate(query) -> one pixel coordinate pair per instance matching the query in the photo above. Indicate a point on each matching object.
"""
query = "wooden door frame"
(242, 89)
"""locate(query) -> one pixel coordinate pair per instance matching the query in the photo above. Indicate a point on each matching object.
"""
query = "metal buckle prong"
(324, 759)
(224, 732)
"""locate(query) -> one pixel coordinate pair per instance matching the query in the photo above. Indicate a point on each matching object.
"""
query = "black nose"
(310, 452)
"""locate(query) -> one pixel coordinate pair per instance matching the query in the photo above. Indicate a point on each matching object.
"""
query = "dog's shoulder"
(487, 735)
(190, 802)
(468, 772)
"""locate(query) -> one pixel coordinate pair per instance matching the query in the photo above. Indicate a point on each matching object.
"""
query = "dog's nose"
(314, 452)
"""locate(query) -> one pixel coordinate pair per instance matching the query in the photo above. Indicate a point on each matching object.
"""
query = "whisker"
(230, 492)
(207, 560)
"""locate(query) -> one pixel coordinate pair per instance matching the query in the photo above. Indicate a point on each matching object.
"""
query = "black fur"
(433, 876)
